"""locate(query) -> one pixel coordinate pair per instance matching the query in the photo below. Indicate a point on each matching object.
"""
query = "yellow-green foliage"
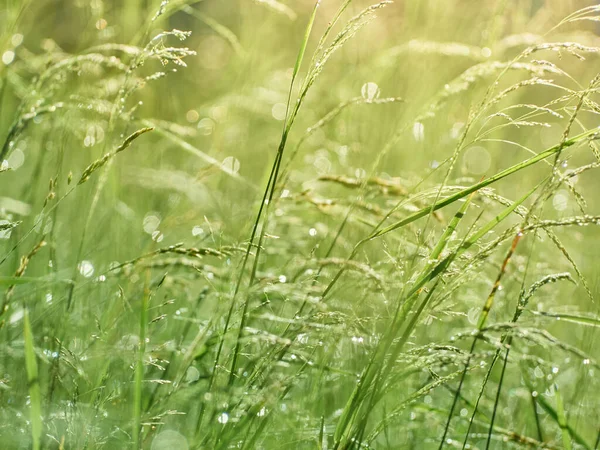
(348, 224)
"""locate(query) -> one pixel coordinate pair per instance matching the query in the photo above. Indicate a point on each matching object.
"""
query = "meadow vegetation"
(274, 224)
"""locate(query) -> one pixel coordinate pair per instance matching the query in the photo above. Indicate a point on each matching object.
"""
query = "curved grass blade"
(500, 175)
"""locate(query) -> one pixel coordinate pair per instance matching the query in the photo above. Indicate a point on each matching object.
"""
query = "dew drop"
(206, 126)
(472, 315)
(16, 159)
(5, 234)
(418, 131)
(151, 222)
(231, 165)
(192, 374)
(101, 24)
(86, 268)
(8, 57)
(16, 40)
(192, 116)
(560, 201)
(370, 91)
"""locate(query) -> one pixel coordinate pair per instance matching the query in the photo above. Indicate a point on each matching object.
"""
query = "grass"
(338, 224)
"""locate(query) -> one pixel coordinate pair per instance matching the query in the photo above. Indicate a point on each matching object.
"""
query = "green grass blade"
(443, 241)
(33, 382)
(469, 242)
(573, 318)
(500, 175)
(304, 43)
(268, 194)
(139, 370)
(562, 420)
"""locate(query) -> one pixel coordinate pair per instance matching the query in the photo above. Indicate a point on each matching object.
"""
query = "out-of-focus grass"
(410, 263)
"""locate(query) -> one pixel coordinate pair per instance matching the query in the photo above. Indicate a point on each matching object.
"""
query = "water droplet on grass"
(86, 268)
(5, 234)
(473, 314)
(418, 131)
(17, 39)
(231, 164)
(370, 91)
(151, 222)
(8, 57)
(360, 173)
(16, 159)
(192, 374)
(192, 115)
(206, 126)
(322, 164)
(16, 316)
(560, 201)
(101, 24)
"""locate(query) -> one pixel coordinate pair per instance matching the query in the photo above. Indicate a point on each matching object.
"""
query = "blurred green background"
(72, 89)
